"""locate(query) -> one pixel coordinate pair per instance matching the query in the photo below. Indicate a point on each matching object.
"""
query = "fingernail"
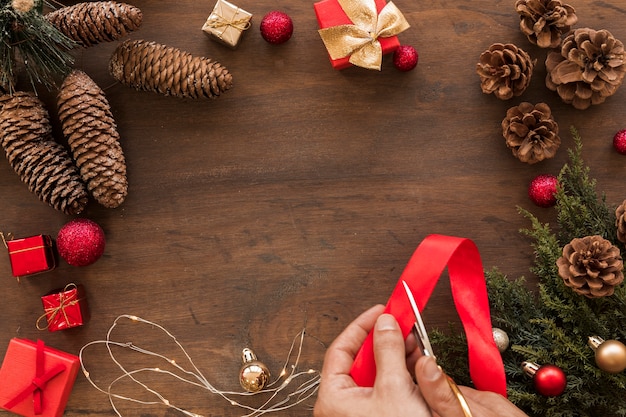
(431, 370)
(386, 322)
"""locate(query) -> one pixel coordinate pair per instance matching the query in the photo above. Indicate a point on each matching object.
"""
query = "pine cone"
(92, 135)
(591, 266)
(44, 165)
(169, 71)
(545, 21)
(90, 23)
(620, 222)
(588, 68)
(505, 70)
(530, 132)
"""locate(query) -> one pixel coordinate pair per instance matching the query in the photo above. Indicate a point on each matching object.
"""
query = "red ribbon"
(469, 291)
(38, 384)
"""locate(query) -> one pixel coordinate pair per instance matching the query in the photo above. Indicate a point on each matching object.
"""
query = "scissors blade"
(419, 327)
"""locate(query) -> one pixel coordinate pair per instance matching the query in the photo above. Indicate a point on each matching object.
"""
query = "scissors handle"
(459, 396)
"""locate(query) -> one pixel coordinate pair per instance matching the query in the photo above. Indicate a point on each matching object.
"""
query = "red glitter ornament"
(619, 141)
(276, 27)
(81, 242)
(542, 190)
(549, 380)
(405, 58)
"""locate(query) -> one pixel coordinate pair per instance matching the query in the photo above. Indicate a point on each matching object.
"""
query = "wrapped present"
(36, 379)
(227, 23)
(64, 308)
(359, 32)
(31, 255)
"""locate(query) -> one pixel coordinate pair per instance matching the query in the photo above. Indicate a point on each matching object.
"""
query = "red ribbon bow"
(469, 290)
(38, 383)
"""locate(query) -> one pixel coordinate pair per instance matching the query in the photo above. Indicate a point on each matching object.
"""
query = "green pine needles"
(27, 38)
(552, 325)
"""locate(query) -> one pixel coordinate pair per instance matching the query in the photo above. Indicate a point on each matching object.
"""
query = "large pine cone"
(530, 132)
(505, 70)
(620, 222)
(588, 68)
(592, 266)
(92, 135)
(169, 71)
(90, 23)
(43, 164)
(545, 21)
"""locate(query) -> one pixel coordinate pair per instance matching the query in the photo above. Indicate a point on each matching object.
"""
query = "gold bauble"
(501, 339)
(610, 354)
(253, 375)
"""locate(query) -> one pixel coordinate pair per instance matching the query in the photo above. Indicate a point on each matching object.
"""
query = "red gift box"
(36, 379)
(64, 308)
(31, 255)
(329, 13)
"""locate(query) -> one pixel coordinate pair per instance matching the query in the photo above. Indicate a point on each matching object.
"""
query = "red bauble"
(405, 58)
(276, 27)
(619, 141)
(542, 190)
(550, 380)
(81, 242)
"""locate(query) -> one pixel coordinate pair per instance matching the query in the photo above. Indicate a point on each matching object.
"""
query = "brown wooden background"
(298, 196)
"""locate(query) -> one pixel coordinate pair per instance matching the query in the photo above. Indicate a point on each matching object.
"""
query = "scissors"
(423, 342)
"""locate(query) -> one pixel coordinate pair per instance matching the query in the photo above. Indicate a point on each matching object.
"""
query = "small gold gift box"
(227, 23)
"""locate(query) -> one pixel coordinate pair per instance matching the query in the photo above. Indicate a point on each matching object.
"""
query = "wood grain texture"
(298, 196)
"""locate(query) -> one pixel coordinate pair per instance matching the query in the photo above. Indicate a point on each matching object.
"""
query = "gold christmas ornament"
(591, 266)
(501, 339)
(253, 375)
(610, 354)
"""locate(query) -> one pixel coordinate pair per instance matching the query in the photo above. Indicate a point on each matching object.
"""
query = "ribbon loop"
(360, 39)
(469, 291)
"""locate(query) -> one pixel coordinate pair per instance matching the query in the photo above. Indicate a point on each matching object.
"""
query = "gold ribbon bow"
(60, 309)
(360, 40)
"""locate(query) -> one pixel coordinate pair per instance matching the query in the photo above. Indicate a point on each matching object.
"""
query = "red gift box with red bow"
(36, 379)
(31, 255)
(64, 308)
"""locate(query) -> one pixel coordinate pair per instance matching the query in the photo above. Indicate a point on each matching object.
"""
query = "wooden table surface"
(297, 197)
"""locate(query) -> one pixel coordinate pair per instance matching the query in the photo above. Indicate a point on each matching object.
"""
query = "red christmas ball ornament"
(549, 380)
(80, 242)
(542, 190)
(619, 141)
(276, 27)
(405, 58)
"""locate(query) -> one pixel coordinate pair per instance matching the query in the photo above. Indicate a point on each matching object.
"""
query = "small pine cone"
(591, 266)
(588, 68)
(620, 222)
(92, 135)
(545, 21)
(505, 70)
(169, 71)
(90, 23)
(43, 164)
(530, 132)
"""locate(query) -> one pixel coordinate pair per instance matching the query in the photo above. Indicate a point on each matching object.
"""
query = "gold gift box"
(227, 23)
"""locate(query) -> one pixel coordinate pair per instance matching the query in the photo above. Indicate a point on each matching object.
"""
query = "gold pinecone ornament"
(42, 164)
(90, 23)
(92, 135)
(620, 221)
(504, 70)
(591, 266)
(150, 66)
(589, 67)
(545, 21)
(531, 132)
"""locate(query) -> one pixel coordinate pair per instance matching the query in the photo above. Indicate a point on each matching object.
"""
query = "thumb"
(434, 387)
(389, 353)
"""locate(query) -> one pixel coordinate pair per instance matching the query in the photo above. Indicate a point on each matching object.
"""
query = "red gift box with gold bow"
(359, 32)
(64, 308)
(36, 379)
(31, 255)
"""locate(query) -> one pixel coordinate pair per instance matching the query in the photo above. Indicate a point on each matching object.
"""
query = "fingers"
(435, 389)
(390, 356)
